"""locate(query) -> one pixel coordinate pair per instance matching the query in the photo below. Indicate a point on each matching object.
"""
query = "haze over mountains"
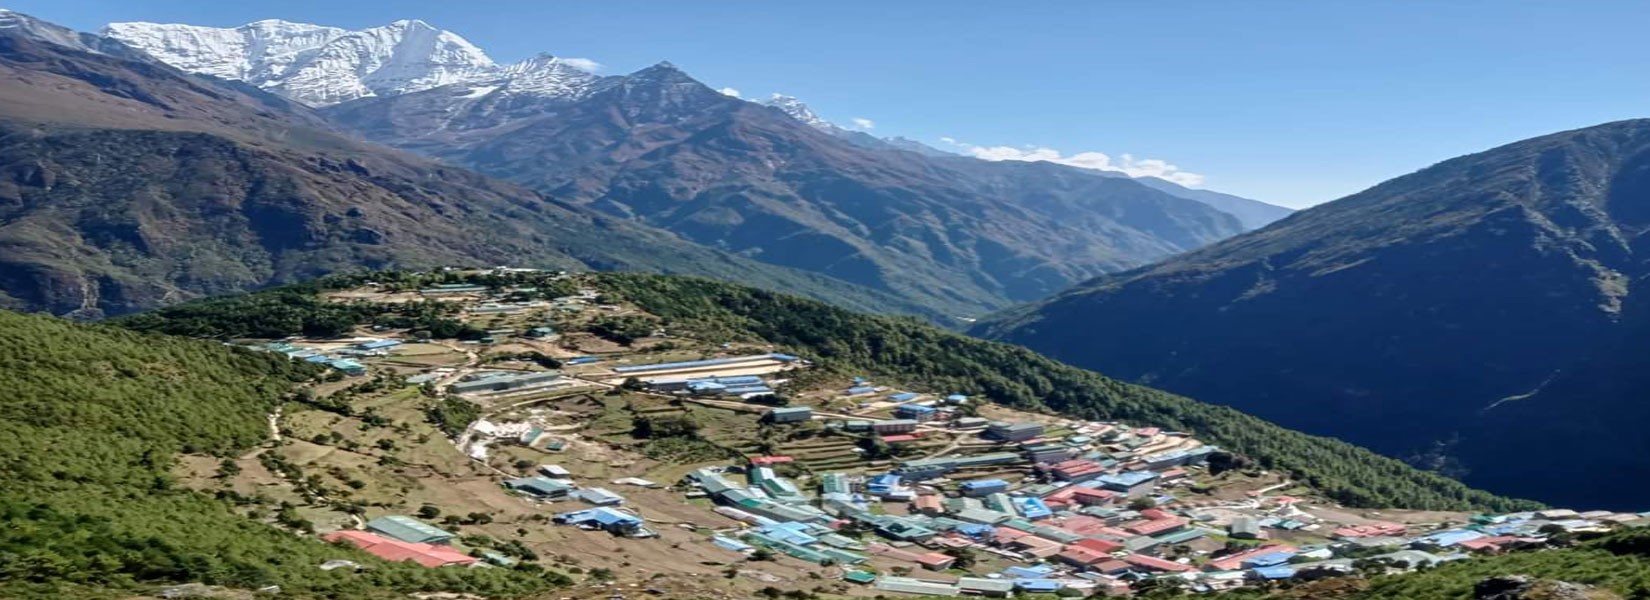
(1489, 301)
(781, 186)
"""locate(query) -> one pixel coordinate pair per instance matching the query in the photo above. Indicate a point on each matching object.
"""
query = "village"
(689, 457)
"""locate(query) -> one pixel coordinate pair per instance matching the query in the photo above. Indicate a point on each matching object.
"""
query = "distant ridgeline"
(91, 421)
(846, 342)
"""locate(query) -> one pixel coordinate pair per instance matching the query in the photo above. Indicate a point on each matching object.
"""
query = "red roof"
(429, 555)
(1156, 564)
(1098, 545)
(1157, 526)
(1155, 514)
(929, 501)
(1083, 556)
(1370, 530)
(762, 461)
(1110, 566)
(1148, 431)
(1005, 535)
(935, 560)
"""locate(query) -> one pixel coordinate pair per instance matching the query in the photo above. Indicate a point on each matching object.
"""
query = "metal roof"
(407, 529)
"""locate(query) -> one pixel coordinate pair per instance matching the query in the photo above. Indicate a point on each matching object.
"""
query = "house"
(555, 471)
(599, 497)
(907, 585)
(348, 367)
(1134, 484)
(1081, 557)
(1014, 432)
(894, 426)
(915, 412)
(1150, 563)
(789, 414)
(929, 504)
(990, 588)
(1246, 528)
(603, 518)
(500, 383)
(983, 487)
(378, 345)
(1233, 562)
(408, 529)
(428, 555)
(543, 488)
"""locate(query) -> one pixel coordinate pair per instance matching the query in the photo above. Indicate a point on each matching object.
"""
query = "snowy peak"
(790, 105)
(315, 64)
(547, 76)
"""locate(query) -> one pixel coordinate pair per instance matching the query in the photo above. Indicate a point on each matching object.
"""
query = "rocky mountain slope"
(660, 148)
(1416, 317)
(126, 184)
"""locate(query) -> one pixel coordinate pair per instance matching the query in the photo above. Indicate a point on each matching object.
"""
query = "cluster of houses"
(345, 360)
(1095, 511)
(554, 483)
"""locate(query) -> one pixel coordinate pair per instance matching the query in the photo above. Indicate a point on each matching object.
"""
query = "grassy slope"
(89, 425)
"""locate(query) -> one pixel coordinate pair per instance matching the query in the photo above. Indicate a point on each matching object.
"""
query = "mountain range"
(771, 182)
(1489, 302)
(126, 184)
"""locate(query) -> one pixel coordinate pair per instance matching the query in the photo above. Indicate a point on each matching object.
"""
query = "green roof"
(859, 576)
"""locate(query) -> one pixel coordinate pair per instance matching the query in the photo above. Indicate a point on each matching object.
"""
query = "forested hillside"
(90, 423)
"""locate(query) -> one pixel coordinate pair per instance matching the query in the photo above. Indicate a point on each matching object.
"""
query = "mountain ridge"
(126, 183)
(1403, 314)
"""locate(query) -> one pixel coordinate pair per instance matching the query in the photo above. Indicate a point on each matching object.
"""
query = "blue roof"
(1450, 538)
(785, 357)
(1283, 572)
(903, 396)
(317, 359)
(1028, 572)
(863, 389)
(750, 389)
(1032, 508)
(583, 360)
(1269, 559)
(379, 344)
(731, 544)
(984, 483)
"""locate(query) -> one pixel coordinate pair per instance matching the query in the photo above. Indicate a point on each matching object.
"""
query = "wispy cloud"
(727, 91)
(862, 123)
(1126, 164)
(584, 64)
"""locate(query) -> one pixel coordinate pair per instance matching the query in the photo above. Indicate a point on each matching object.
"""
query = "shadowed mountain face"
(658, 147)
(1416, 317)
(125, 184)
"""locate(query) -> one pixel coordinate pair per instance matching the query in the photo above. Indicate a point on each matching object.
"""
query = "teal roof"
(408, 529)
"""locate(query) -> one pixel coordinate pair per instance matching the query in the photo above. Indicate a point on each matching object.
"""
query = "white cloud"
(1126, 164)
(727, 91)
(862, 123)
(584, 64)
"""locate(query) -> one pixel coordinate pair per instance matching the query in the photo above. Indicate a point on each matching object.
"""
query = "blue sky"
(1290, 102)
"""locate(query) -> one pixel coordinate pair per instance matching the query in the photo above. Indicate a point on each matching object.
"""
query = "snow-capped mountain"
(321, 66)
(794, 107)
